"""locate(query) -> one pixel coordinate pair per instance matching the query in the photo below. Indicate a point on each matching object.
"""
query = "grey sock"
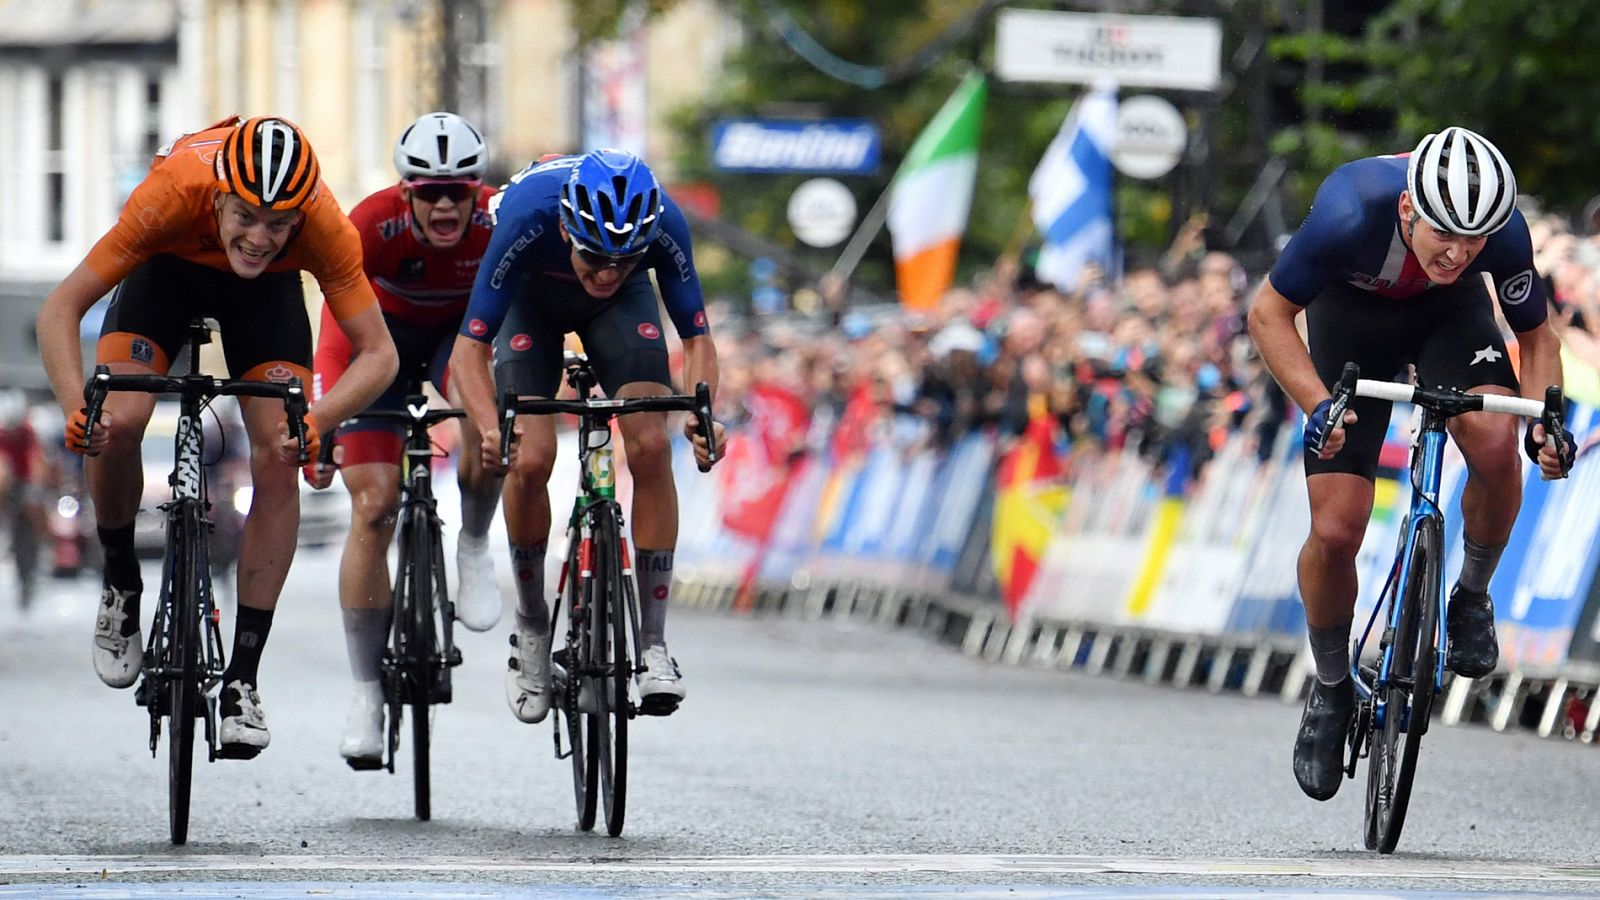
(1330, 649)
(527, 569)
(477, 510)
(653, 570)
(1478, 566)
(366, 634)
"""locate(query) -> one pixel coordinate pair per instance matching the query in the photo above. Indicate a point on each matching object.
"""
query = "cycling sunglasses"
(596, 260)
(433, 191)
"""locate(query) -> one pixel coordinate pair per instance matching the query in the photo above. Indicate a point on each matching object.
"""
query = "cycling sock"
(527, 567)
(366, 634)
(1478, 566)
(1330, 650)
(250, 629)
(122, 563)
(653, 570)
(477, 511)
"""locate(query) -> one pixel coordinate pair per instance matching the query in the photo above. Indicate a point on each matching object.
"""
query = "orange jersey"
(173, 211)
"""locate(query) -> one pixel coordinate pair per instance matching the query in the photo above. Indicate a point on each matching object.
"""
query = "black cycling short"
(621, 336)
(262, 320)
(1448, 333)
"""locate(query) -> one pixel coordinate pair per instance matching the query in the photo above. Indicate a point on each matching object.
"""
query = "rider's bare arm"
(373, 364)
(1272, 327)
(58, 324)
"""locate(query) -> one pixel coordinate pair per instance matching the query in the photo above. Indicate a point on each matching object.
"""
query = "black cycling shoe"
(1472, 650)
(1319, 747)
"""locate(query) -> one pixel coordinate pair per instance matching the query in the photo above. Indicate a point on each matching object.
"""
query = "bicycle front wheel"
(418, 648)
(610, 636)
(581, 736)
(183, 682)
(1407, 697)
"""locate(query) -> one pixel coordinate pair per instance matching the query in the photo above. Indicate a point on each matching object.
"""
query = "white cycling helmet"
(441, 145)
(1460, 183)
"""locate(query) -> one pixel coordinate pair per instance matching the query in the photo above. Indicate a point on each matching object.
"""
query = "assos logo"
(1516, 289)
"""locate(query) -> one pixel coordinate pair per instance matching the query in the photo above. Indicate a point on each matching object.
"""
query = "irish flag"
(931, 195)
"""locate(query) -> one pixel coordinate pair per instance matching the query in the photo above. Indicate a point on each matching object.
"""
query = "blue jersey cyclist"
(575, 239)
(1389, 269)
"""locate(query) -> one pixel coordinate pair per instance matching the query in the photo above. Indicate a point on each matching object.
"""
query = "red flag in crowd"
(1029, 501)
(755, 477)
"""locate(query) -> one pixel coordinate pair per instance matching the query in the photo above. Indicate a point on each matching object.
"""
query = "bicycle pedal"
(658, 705)
(364, 763)
(238, 751)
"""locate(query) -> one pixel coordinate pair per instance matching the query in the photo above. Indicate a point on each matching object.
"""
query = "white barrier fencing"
(1142, 573)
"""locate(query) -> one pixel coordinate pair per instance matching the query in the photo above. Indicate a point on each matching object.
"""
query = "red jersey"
(414, 281)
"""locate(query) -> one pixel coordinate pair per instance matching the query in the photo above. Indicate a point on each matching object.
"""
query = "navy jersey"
(526, 245)
(1352, 235)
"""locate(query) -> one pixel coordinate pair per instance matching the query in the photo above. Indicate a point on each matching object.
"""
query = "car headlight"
(241, 499)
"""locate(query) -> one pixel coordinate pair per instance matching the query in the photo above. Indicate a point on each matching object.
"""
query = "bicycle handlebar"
(512, 405)
(200, 387)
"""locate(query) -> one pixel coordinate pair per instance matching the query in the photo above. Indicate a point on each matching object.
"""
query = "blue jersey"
(1352, 235)
(527, 246)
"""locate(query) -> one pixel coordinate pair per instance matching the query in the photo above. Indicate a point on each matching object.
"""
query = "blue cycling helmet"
(611, 203)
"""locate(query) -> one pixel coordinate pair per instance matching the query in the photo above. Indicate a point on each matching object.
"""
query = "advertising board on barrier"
(792, 146)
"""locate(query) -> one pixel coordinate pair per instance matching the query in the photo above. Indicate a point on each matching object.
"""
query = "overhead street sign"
(1133, 51)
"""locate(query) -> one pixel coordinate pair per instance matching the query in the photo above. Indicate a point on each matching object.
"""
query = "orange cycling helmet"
(267, 162)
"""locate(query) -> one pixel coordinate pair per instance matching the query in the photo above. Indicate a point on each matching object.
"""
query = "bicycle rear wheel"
(183, 649)
(610, 723)
(1408, 695)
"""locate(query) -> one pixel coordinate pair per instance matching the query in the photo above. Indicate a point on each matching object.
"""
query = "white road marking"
(1407, 868)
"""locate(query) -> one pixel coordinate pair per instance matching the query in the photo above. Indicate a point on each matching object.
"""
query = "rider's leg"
(116, 479)
(364, 598)
(478, 599)
(527, 514)
(1493, 492)
(271, 529)
(1489, 505)
(364, 567)
(527, 502)
(1341, 504)
(655, 510)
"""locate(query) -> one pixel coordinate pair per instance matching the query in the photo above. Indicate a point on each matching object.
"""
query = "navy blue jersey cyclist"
(1389, 270)
(575, 239)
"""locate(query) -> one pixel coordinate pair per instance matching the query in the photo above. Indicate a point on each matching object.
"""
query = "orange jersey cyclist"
(1389, 271)
(222, 226)
(575, 240)
(421, 239)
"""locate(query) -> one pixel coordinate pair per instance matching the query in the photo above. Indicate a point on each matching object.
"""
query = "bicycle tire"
(612, 658)
(580, 737)
(183, 648)
(413, 615)
(1392, 766)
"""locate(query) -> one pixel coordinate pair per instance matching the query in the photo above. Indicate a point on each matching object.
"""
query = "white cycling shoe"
(478, 601)
(362, 747)
(528, 676)
(244, 726)
(660, 684)
(118, 657)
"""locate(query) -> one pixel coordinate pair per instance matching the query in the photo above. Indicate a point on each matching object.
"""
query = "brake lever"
(94, 399)
(1343, 392)
(708, 428)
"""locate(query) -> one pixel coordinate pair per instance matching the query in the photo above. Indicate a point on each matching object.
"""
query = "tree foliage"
(1521, 72)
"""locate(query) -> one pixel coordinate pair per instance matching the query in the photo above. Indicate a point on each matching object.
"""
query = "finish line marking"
(1365, 866)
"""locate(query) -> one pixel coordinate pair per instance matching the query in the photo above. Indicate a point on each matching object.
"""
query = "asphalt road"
(810, 758)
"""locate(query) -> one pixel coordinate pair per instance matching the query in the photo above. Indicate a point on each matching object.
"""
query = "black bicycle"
(422, 650)
(594, 671)
(1397, 693)
(183, 659)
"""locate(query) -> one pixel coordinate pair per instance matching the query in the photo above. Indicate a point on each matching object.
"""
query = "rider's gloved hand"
(77, 434)
(1317, 424)
(1563, 454)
